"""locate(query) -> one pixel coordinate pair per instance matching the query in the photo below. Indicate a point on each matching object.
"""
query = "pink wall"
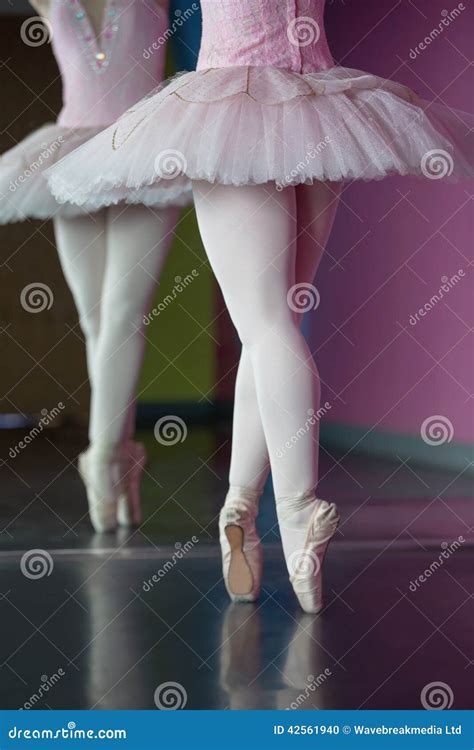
(394, 241)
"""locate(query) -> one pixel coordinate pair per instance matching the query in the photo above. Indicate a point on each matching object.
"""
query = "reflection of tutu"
(250, 125)
(24, 192)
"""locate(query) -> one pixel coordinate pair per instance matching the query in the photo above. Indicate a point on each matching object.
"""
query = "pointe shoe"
(240, 545)
(305, 564)
(128, 503)
(102, 468)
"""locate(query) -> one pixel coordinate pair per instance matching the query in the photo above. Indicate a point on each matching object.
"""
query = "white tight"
(261, 242)
(112, 261)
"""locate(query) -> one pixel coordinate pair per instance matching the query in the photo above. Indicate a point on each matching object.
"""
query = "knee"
(89, 321)
(123, 315)
(268, 331)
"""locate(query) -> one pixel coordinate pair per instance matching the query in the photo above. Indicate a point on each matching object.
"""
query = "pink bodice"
(285, 34)
(104, 77)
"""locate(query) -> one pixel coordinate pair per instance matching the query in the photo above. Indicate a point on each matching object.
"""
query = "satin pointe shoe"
(305, 561)
(103, 467)
(240, 545)
(129, 503)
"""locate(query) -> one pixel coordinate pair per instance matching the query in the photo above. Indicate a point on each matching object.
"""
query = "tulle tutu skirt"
(24, 191)
(252, 125)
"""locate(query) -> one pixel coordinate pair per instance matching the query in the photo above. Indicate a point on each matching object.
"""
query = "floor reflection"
(299, 664)
(378, 642)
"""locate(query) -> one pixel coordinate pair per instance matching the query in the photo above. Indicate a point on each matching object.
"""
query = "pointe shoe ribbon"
(288, 505)
(241, 550)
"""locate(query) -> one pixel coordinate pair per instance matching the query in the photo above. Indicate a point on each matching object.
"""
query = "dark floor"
(92, 633)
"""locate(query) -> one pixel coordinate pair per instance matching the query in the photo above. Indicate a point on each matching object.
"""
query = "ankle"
(104, 451)
(289, 505)
(242, 495)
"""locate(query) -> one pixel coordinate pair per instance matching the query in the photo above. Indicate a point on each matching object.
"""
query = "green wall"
(180, 354)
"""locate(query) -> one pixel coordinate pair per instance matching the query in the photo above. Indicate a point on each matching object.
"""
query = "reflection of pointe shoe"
(240, 658)
(103, 467)
(240, 545)
(128, 504)
(305, 563)
(306, 667)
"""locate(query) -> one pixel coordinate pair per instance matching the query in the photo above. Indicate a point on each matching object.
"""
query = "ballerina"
(268, 128)
(111, 252)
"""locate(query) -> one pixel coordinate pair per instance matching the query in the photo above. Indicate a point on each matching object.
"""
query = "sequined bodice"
(285, 34)
(103, 76)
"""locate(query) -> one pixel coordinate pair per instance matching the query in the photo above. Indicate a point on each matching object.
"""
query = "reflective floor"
(107, 621)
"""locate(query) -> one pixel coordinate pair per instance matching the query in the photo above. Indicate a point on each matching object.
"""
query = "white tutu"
(251, 125)
(24, 191)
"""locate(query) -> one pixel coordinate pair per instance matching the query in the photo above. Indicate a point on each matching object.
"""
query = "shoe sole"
(240, 578)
